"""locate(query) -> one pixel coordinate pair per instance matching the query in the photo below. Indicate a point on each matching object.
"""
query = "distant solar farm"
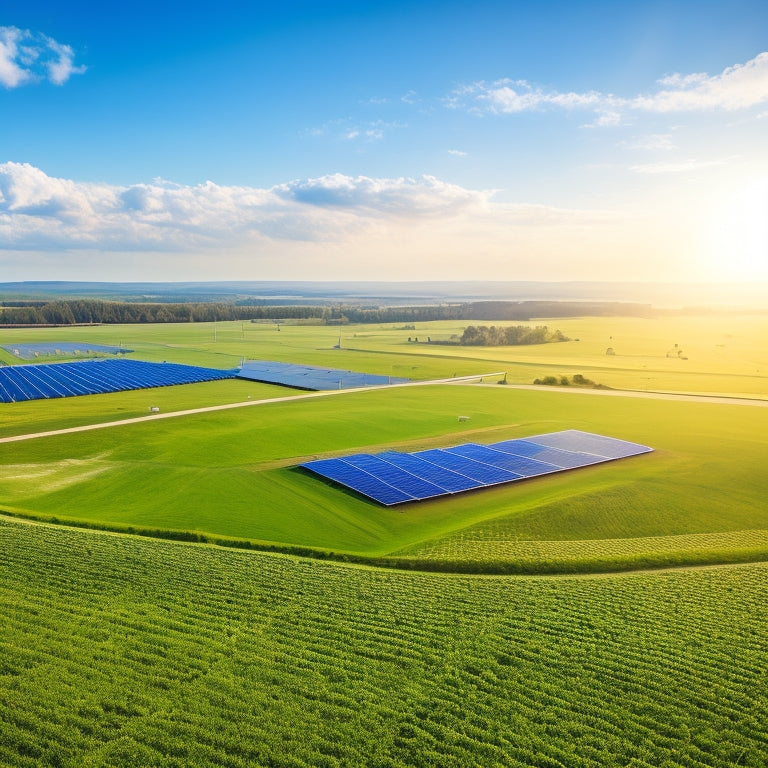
(89, 377)
(395, 478)
(67, 348)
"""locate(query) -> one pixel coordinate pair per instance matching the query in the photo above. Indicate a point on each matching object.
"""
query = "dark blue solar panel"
(520, 447)
(485, 473)
(520, 465)
(394, 478)
(358, 480)
(35, 382)
(414, 486)
(445, 478)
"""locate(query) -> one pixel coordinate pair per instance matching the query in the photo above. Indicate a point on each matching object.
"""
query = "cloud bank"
(28, 57)
(738, 87)
(332, 227)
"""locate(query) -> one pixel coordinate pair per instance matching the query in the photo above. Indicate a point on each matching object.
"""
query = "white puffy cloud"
(37, 210)
(426, 196)
(740, 86)
(27, 57)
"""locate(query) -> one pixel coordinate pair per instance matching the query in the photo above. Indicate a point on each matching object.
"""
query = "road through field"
(461, 380)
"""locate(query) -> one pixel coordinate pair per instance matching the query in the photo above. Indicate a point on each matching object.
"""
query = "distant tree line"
(84, 311)
(78, 311)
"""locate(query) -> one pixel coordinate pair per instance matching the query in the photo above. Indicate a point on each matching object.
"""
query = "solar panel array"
(311, 377)
(69, 348)
(90, 377)
(395, 478)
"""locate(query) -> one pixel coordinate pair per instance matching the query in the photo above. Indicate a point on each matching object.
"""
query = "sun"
(737, 235)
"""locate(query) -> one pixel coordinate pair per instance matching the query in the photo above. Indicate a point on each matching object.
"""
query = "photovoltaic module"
(396, 478)
(91, 377)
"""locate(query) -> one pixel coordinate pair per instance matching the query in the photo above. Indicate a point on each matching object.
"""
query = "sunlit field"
(230, 476)
(182, 582)
(712, 354)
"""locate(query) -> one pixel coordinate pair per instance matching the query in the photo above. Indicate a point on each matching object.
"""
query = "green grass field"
(123, 652)
(120, 650)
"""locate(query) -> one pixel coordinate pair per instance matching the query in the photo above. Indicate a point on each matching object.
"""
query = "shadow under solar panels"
(395, 478)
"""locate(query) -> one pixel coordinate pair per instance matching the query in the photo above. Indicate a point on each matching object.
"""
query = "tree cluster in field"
(577, 380)
(513, 335)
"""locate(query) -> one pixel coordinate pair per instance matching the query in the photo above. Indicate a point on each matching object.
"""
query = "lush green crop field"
(231, 475)
(123, 652)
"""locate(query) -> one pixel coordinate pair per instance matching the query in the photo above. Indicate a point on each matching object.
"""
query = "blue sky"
(406, 140)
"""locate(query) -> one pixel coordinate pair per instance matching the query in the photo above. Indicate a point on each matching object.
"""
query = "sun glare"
(737, 235)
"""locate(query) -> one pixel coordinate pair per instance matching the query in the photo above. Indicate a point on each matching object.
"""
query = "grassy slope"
(230, 473)
(121, 652)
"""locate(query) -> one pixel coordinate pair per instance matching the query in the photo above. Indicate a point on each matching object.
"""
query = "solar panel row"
(394, 478)
(89, 377)
(31, 351)
(311, 377)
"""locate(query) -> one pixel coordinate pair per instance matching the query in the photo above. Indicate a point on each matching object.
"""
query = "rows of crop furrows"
(121, 651)
(474, 545)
